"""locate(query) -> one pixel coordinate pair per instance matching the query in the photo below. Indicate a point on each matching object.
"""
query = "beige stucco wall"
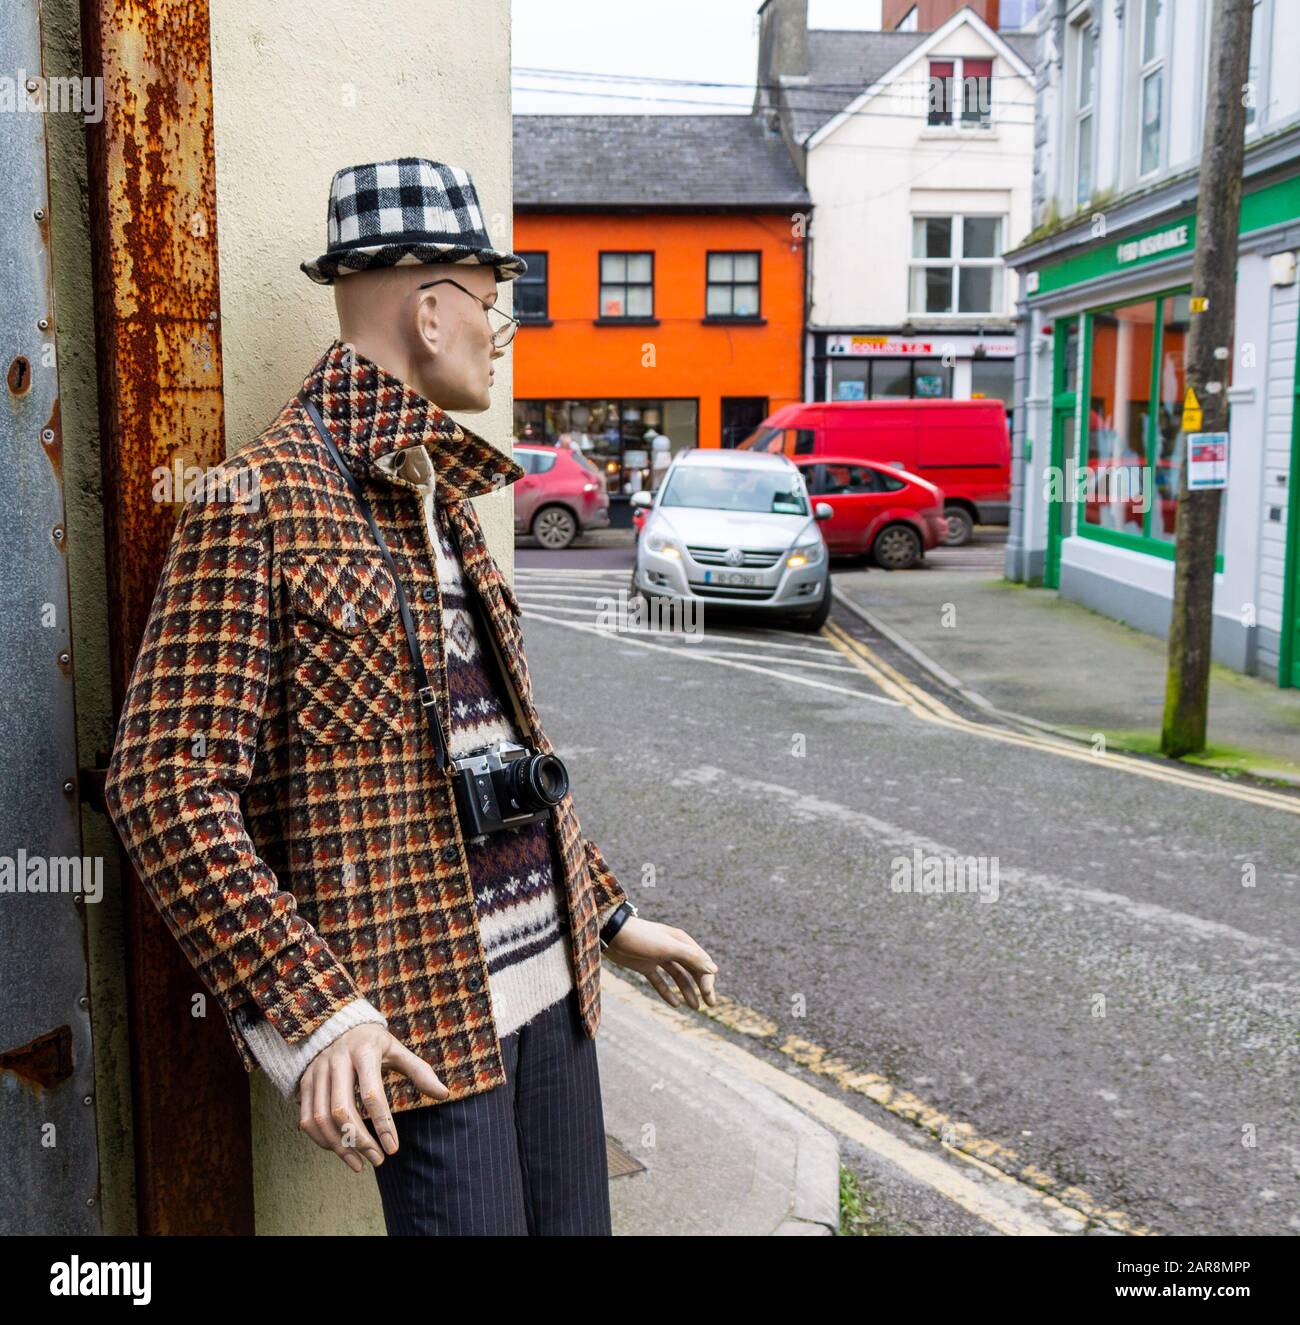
(300, 89)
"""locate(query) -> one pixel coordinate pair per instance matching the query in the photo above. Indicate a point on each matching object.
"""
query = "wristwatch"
(616, 922)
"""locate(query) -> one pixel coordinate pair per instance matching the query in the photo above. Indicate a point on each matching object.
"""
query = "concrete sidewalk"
(1031, 652)
(702, 1149)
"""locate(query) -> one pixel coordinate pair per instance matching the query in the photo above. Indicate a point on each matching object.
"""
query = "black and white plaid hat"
(408, 210)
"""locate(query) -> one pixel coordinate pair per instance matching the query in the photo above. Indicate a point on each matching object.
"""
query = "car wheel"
(960, 526)
(554, 527)
(816, 620)
(898, 547)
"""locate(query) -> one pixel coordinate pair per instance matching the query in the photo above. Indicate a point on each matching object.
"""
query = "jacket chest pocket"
(350, 680)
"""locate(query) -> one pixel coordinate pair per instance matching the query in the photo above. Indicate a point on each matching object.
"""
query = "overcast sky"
(692, 41)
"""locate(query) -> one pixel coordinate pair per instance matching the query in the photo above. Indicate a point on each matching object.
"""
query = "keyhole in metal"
(20, 376)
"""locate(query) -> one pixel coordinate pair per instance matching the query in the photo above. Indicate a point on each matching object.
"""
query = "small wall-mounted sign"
(1207, 461)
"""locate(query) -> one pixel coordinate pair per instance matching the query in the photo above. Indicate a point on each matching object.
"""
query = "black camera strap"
(424, 688)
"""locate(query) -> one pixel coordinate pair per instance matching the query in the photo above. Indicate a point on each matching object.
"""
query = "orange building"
(664, 302)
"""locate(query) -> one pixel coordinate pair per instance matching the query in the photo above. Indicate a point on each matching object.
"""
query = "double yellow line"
(930, 709)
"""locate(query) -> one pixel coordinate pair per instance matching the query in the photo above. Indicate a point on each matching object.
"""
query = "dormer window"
(961, 93)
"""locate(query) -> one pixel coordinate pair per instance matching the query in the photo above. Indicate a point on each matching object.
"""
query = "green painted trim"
(1063, 406)
(1153, 405)
(1155, 547)
(1288, 671)
(1270, 205)
(1134, 542)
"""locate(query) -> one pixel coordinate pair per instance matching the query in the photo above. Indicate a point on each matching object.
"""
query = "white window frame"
(956, 260)
(1156, 65)
(954, 120)
(1261, 24)
(908, 22)
(1084, 30)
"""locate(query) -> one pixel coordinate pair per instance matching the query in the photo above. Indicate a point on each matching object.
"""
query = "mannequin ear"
(426, 319)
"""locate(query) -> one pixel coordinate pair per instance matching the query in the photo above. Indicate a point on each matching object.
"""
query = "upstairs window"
(1152, 81)
(1085, 95)
(960, 93)
(530, 290)
(732, 285)
(627, 285)
(956, 264)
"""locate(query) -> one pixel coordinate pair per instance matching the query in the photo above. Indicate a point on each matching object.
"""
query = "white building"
(917, 151)
(1104, 317)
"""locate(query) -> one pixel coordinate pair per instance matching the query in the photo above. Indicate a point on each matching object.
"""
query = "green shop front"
(1099, 443)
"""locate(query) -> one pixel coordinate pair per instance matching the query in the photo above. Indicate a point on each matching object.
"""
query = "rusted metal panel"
(48, 1152)
(153, 199)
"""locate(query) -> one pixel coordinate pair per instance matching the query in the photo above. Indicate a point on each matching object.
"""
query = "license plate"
(729, 577)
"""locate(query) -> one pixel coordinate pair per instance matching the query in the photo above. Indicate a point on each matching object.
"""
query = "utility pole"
(1214, 279)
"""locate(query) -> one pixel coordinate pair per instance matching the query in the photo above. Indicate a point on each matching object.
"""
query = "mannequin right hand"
(327, 1111)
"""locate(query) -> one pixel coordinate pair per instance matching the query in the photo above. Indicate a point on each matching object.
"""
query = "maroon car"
(561, 494)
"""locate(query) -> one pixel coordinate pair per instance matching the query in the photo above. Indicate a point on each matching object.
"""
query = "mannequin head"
(437, 341)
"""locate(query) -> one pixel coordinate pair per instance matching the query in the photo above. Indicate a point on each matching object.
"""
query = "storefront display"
(618, 436)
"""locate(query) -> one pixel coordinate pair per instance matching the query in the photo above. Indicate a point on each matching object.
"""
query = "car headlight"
(806, 552)
(663, 545)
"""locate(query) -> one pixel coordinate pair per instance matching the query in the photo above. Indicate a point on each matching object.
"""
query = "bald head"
(437, 340)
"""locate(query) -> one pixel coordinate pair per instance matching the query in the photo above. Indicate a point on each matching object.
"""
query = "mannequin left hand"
(662, 953)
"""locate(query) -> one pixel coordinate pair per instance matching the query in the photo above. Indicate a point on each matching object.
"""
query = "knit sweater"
(522, 914)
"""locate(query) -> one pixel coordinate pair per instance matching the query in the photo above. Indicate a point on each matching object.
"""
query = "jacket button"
(474, 982)
(428, 593)
(450, 855)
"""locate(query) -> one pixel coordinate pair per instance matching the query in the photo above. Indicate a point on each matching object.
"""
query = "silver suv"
(737, 529)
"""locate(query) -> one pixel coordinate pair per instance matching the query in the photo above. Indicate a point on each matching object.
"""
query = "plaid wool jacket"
(273, 777)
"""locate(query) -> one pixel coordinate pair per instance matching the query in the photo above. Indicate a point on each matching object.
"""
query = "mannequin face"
(437, 341)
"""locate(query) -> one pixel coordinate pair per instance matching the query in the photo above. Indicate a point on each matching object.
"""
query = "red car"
(962, 445)
(561, 494)
(880, 510)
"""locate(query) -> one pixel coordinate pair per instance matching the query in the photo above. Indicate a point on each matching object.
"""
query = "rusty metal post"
(154, 234)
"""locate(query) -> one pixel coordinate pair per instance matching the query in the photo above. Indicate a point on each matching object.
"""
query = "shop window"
(890, 379)
(626, 285)
(1170, 444)
(1135, 444)
(530, 289)
(732, 285)
(1118, 412)
(620, 438)
(993, 379)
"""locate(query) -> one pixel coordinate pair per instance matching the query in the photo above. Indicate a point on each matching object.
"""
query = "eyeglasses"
(504, 332)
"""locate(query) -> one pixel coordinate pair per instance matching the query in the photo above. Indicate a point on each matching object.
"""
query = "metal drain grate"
(621, 1163)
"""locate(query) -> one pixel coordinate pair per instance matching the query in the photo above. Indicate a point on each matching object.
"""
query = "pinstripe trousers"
(527, 1157)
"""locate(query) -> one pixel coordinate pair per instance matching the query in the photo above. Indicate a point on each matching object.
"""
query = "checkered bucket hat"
(409, 210)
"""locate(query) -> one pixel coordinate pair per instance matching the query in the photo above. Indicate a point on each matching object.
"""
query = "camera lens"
(539, 781)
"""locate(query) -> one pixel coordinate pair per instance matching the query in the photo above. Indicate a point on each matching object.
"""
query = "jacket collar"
(370, 413)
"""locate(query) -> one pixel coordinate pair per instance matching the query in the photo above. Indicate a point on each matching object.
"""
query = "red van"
(960, 445)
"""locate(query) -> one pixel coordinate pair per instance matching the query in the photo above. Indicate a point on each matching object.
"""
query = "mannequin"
(444, 982)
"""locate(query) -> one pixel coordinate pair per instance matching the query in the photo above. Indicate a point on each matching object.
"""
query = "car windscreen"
(762, 438)
(727, 488)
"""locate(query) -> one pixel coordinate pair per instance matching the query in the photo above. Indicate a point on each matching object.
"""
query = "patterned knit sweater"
(522, 914)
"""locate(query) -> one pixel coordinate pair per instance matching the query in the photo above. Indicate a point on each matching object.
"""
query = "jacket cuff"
(608, 890)
(285, 1063)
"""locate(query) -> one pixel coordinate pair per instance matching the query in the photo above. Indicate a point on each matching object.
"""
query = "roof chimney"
(782, 41)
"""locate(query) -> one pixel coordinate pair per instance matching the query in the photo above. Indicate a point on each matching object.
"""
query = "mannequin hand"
(327, 1112)
(659, 951)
